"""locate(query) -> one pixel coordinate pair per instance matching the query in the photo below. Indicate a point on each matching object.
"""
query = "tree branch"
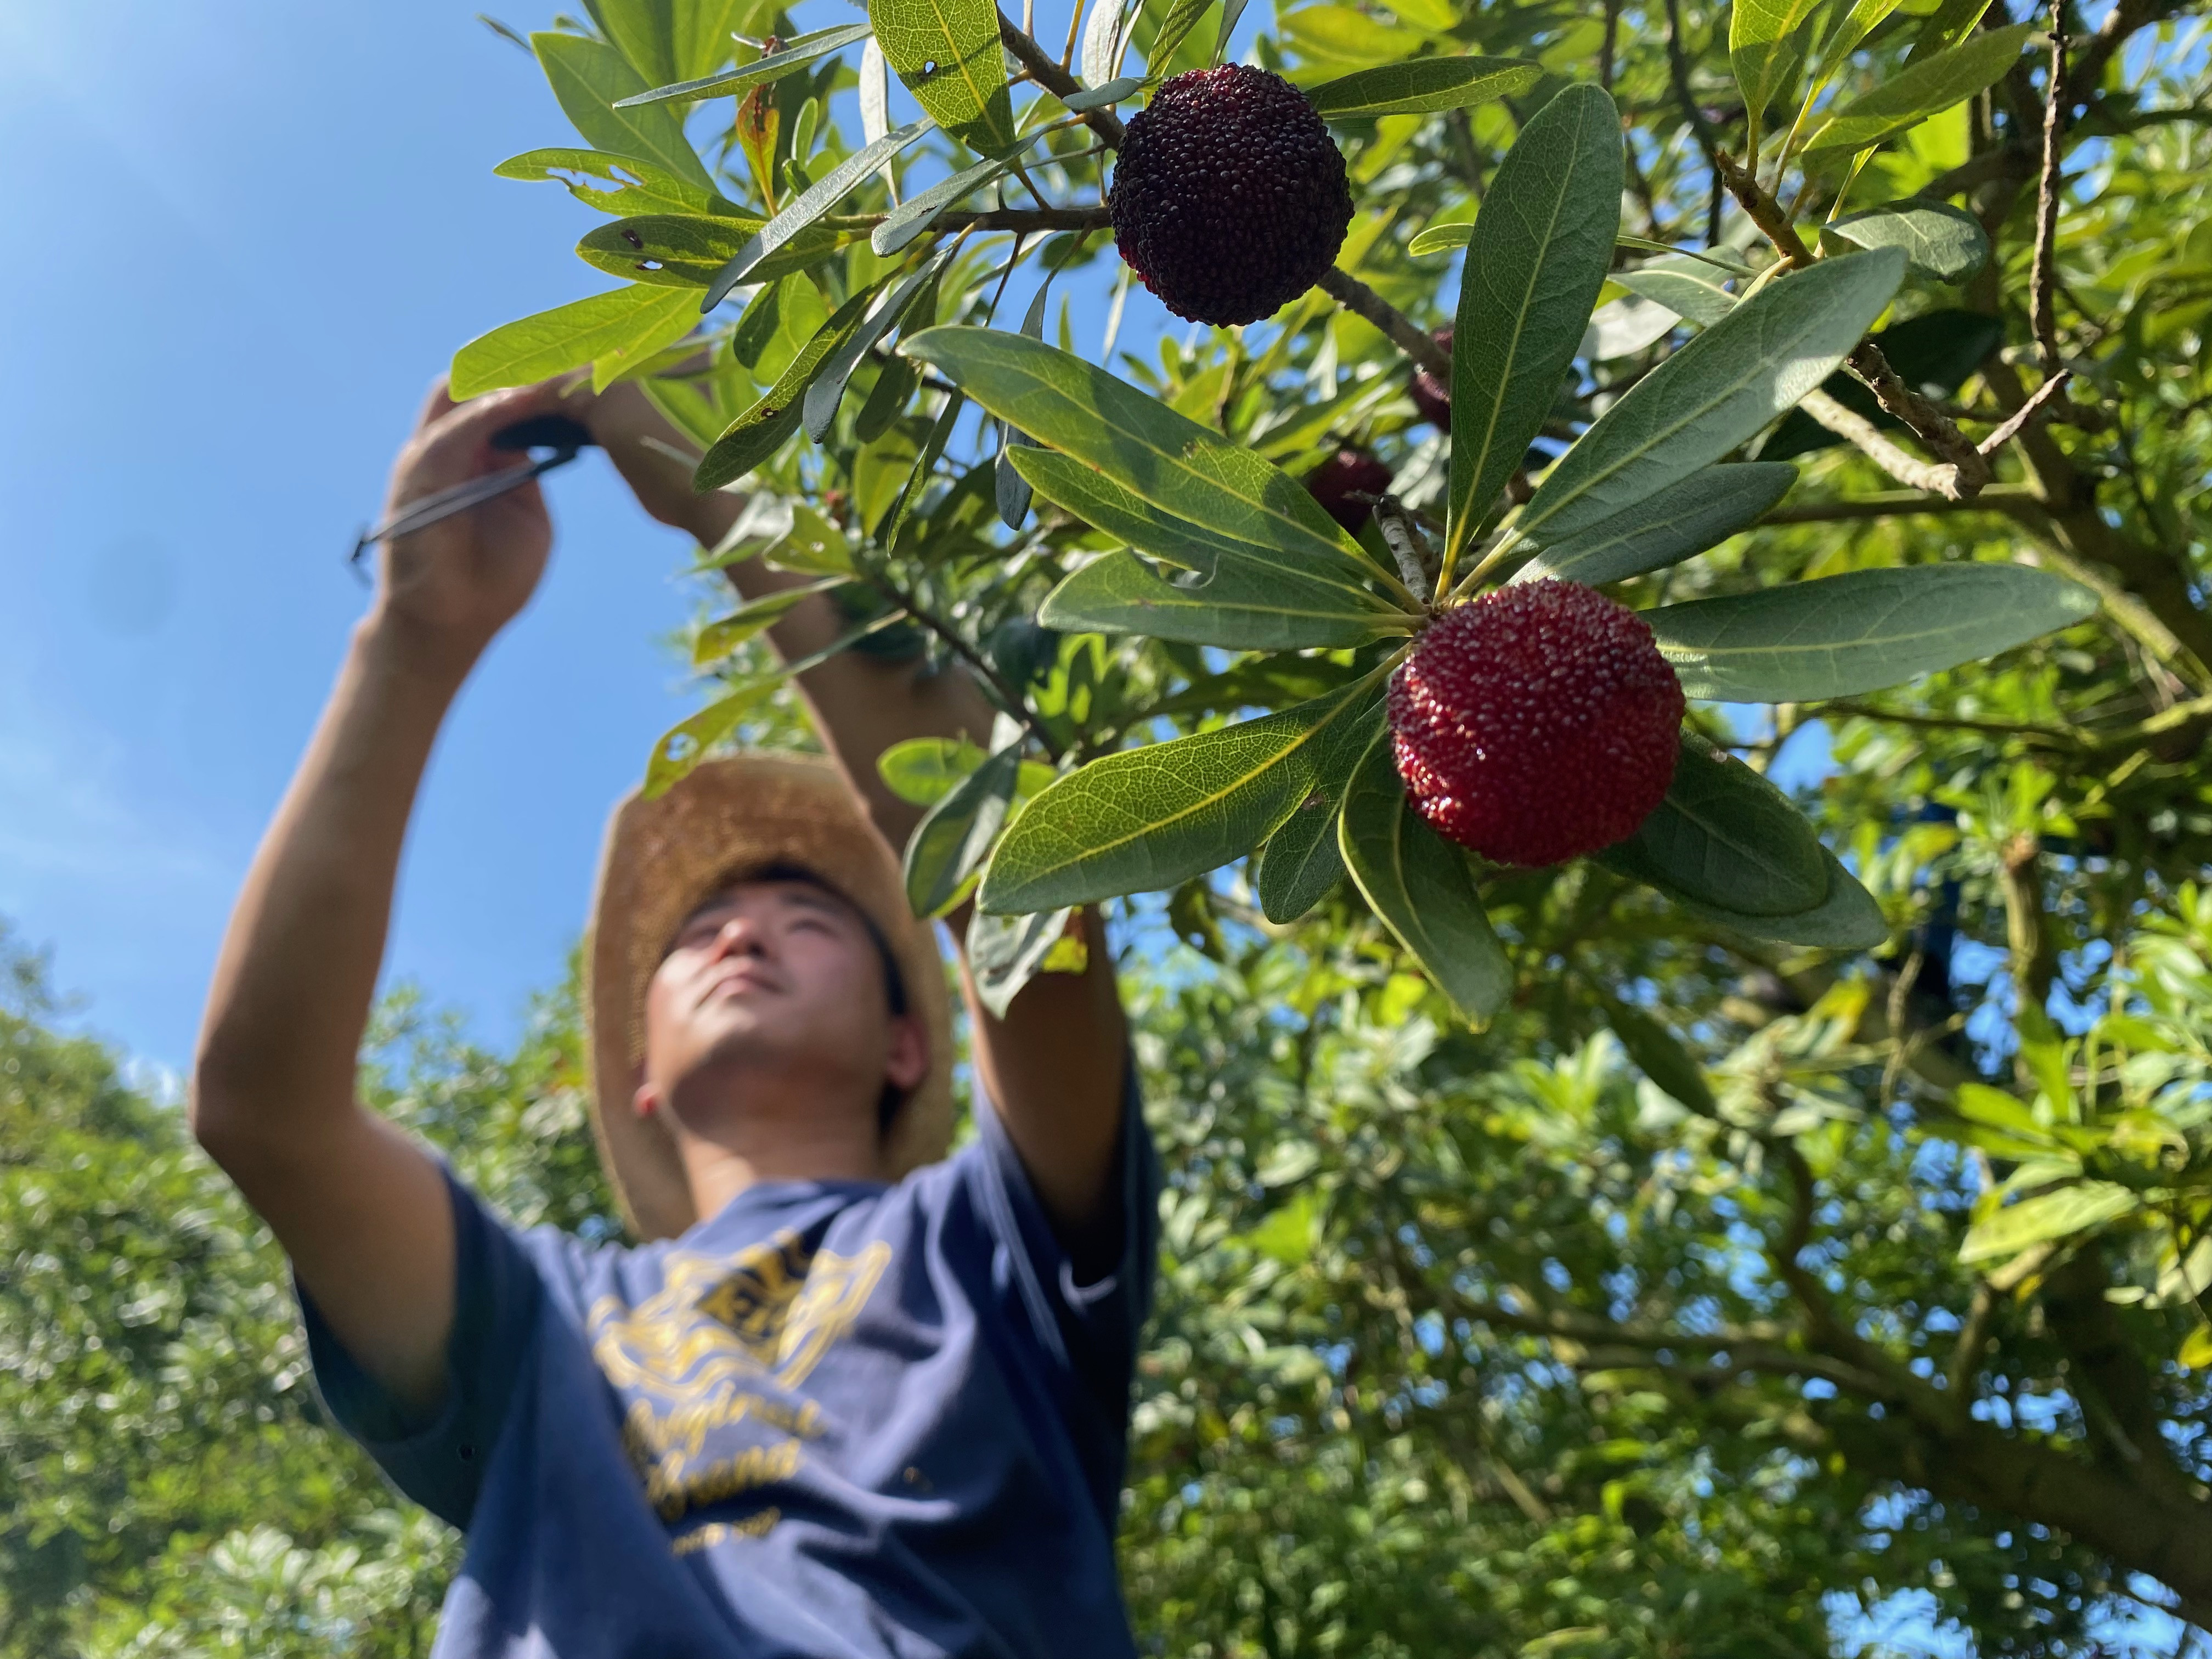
(1944, 480)
(1056, 80)
(1898, 503)
(1356, 297)
(2044, 317)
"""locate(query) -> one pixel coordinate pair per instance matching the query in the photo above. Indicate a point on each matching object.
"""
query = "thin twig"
(1055, 79)
(2021, 416)
(1606, 46)
(1355, 296)
(1899, 503)
(1856, 430)
(2046, 201)
(2050, 734)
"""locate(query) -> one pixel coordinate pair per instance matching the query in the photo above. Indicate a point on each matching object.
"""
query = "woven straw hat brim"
(662, 858)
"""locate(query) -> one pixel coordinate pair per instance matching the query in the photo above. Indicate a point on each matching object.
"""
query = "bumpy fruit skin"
(1229, 197)
(1537, 724)
(1342, 476)
(1432, 397)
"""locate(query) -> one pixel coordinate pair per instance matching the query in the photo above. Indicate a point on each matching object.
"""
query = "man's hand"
(649, 455)
(448, 588)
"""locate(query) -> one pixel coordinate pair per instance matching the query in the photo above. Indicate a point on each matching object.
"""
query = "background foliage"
(1718, 1288)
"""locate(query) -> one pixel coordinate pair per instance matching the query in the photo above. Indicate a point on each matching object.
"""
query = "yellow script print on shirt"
(718, 1324)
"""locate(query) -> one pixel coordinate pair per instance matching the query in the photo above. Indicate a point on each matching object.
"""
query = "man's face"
(774, 976)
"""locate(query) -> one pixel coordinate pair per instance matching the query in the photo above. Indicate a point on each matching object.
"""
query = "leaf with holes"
(762, 429)
(946, 52)
(1860, 631)
(1422, 887)
(686, 250)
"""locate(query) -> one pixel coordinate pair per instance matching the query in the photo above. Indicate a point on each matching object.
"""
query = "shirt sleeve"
(1092, 1327)
(439, 1460)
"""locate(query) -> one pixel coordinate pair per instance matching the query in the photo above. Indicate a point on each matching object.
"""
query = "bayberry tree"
(1579, 410)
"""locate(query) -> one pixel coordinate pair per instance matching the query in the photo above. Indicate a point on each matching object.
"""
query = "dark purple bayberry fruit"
(1344, 476)
(1432, 397)
(1537, 724)
(1229, 197)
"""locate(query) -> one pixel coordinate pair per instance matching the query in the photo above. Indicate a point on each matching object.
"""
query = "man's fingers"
(440, 402)
(457, 445)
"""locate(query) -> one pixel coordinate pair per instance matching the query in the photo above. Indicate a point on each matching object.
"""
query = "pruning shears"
(561, 438)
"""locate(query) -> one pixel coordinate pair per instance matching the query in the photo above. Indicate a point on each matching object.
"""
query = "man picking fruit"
(841, 1397)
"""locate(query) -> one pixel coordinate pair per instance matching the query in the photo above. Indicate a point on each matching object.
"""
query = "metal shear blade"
(429, 509)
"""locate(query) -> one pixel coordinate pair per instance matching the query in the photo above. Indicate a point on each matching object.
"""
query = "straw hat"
(662, 858)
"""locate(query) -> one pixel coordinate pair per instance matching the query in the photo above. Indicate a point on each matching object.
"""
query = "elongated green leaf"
(1106, 96)
(703, 32)
(1177, 466)
(1917, 92)
(829, 388)
(533, 349)
(641, 32)
(952, 839)
(1710, 505)
(736, 82)
(915, 215)
(922, 771)
(1853, 23)
(1148, 818)
(686, 250)
(726, 634)
(1422, 886)
(762, 429)
(1726, 836)
(2058, 1214)
(1180, 19)
(947, 54)
(1538, 258)
(1684, 286)
(1847, 919)
(1949, 23)
(1860, 631)
(1715, 393)
(684, 744)
(640, 187)
(1422, 84)
(1719, 259)
(1939, 240)
(1767, 43)
(1302, 860)
(1440, 239)
(1240, 609)
(1004, 953)
(811, 204)
(1659, 1056)
(587, 76)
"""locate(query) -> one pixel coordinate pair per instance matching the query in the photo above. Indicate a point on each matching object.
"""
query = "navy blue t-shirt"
(835, 1420)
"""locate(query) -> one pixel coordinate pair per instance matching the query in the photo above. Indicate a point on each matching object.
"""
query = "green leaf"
(1979, 1103)
(1848, 919)
(533, 349)
(725, 634)
(1859, 632)
(2060, 1214)
(947, 54)
(1145, 819)
(640, 187)
(1422, 887)
(1948, 24)
(922, 771)
(1420, 84)
(1726, 836)
(1243, 607)
(1182, 18)
(915, 215)
(684, 744)
(813, 546)
(1915, 93)
(735, 83)
(1186, 471)
(829, 388)
(1701, 511)
(704, 30)
(641, 32)
(952, 839)
(1659, 1056)
(686, 251)
(1686, 287)
(1714, 393)
(1004, 953)
(1538, 258)
(1302, 860)
(1940, 241)
(762, 429)
(1853, 26)
(587, 76)
(1767, 43)
(811, 204)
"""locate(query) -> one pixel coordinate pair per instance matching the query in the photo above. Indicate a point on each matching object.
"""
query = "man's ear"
(908, 1060)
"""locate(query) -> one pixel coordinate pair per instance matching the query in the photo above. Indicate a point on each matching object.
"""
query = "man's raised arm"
(361, 1209)
(1054, 1066)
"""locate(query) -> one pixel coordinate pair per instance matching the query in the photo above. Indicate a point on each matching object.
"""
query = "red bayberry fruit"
(1536, 724)
(1347, 474)
(1228, 198)
(1432, 397)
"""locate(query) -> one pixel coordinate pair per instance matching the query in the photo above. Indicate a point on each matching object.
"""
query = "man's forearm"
(299, 964)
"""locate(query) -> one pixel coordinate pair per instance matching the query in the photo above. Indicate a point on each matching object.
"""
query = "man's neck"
(805, 1138)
